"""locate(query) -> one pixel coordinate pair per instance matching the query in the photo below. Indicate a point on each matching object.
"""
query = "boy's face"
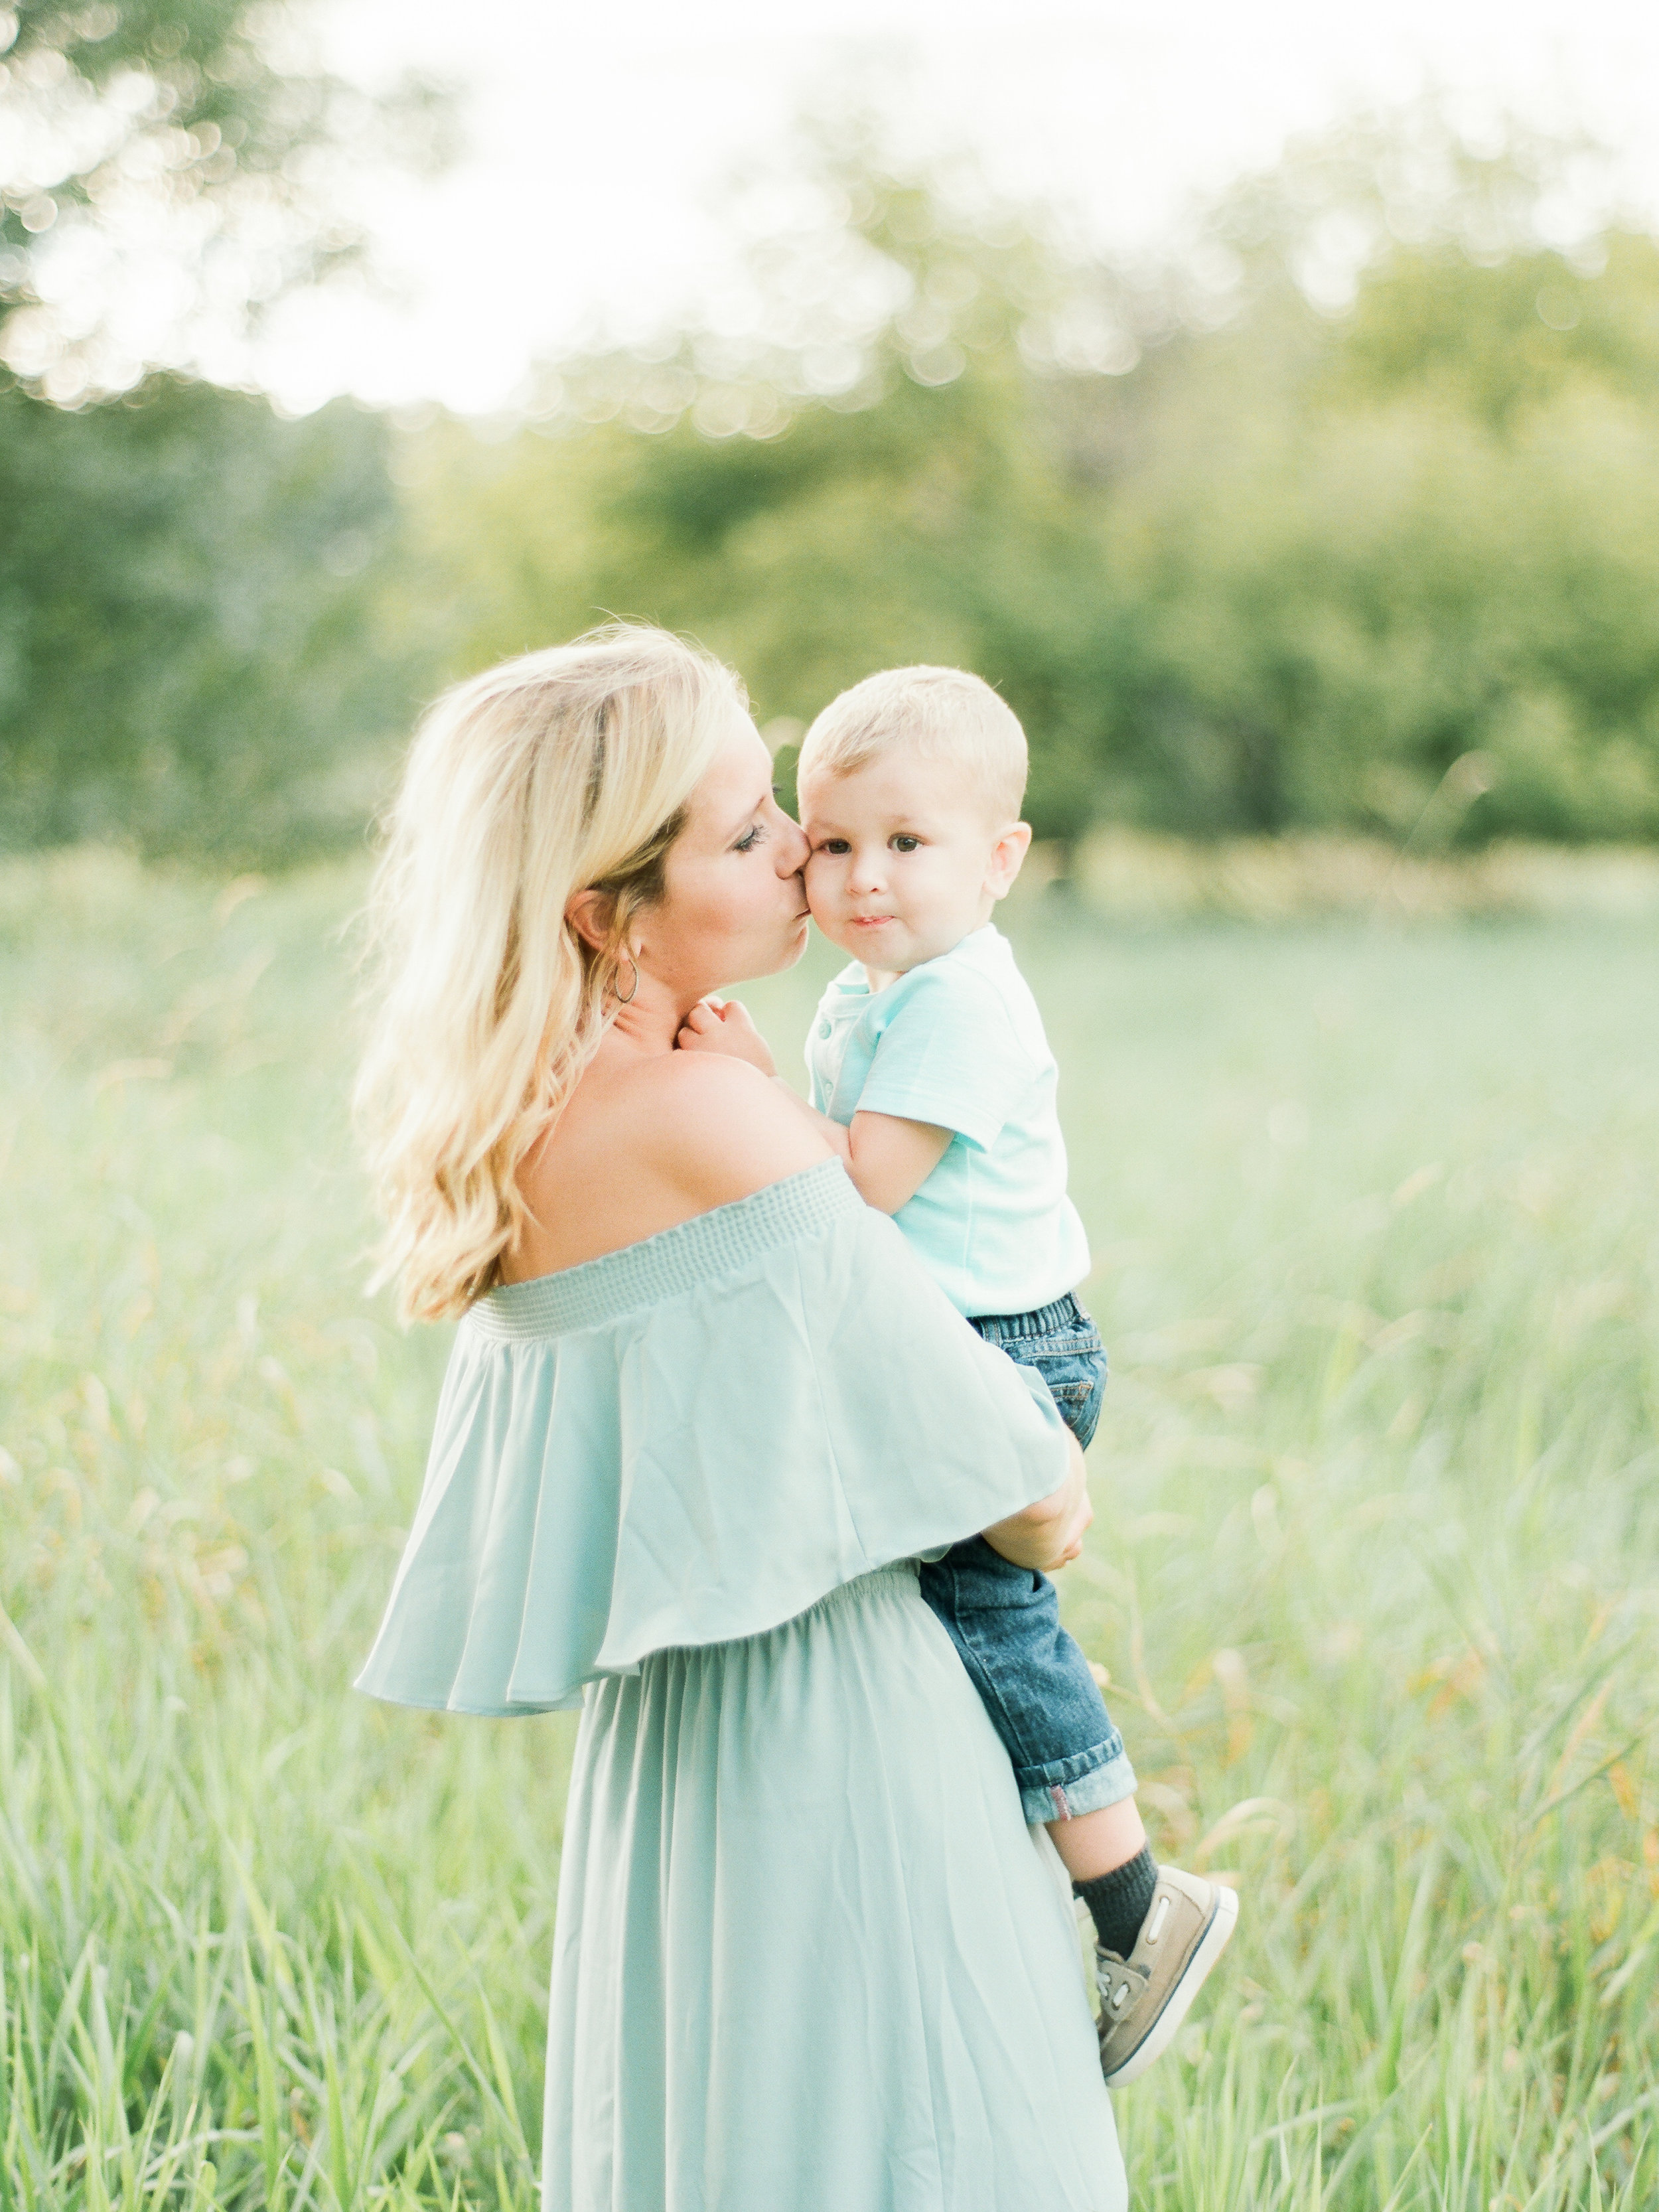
(906, 859)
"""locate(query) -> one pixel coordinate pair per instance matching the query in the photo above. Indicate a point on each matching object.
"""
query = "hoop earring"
(634, 965)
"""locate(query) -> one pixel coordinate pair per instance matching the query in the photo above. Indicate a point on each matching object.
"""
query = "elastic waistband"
(1045, 1320)
(897, 1574)
(899, 1577)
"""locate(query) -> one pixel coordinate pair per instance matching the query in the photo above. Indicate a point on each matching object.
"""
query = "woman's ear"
(590, 914)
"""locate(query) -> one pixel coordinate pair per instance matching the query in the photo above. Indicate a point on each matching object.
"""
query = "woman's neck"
(649, 1023)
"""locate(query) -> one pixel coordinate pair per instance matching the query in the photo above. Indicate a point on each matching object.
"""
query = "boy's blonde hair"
(560, 771)
(943, 714)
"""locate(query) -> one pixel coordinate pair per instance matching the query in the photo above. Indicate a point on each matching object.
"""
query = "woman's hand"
(725, 1027)
(1049, 1534)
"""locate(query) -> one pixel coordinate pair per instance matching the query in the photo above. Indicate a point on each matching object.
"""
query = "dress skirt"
(807, 1958)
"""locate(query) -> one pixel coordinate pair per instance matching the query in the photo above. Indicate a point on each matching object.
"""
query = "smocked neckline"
(673, 1261)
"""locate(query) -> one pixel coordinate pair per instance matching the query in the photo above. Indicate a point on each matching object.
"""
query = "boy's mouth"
(871, 921)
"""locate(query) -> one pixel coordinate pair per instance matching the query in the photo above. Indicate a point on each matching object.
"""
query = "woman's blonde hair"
(555, 773)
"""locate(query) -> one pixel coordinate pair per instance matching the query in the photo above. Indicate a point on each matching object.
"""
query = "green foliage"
(1497, 343)
(1238, 563)
(194, 644)
(855, 540)
(195, 636)
(1373, 1569)
(1332, 617)
(1241, 562)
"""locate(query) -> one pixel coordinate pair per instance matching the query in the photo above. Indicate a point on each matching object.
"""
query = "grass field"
(1375, 1568)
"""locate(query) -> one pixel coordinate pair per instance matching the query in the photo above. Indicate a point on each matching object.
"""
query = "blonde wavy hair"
(556, 772)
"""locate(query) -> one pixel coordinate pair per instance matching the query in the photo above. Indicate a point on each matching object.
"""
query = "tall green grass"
(1374, 1569)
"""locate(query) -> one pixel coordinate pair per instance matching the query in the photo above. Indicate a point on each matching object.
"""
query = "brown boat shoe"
(1145, 1997)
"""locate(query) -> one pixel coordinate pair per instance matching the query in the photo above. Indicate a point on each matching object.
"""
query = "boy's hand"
(728, 1029)
(1049, 1534)
(1073, 1546)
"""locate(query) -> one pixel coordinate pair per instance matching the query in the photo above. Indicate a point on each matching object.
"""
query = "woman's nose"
(793, 848)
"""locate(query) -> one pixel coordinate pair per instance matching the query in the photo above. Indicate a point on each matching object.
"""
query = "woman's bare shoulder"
(651, 1145)
(719, 1128)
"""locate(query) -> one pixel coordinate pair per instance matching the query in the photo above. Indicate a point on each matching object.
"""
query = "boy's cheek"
(820, 881)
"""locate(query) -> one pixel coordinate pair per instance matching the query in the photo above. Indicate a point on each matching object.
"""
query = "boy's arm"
(888, 1158)
(1048, 1535)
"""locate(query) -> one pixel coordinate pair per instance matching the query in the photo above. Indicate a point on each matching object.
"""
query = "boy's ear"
(1007, 856)
(590, 913)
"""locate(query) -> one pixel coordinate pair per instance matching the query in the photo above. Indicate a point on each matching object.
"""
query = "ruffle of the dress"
(700, 1469)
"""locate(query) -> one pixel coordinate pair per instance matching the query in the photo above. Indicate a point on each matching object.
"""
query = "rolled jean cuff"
(1107, 1783)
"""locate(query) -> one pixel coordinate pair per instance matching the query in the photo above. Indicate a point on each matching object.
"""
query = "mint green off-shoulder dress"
(808, 1957)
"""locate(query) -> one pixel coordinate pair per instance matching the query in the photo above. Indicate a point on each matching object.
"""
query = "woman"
(703, 1411)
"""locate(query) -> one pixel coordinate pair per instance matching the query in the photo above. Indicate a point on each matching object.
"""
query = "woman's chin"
(781, 956)
(795, 946)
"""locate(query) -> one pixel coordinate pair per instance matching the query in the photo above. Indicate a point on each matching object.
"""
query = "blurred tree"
(1362, 542)
(1280, 534)
(1495, 342)
(196, 645)
(1328, 624)
(922, 528)
(1349, 515)
(854, 467)
(196, 138)
(191, 629)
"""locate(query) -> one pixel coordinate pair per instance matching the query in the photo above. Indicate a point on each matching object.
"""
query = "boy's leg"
(1004, 1620)
(1067, 1756)
(1103, 1848)
(1159, 1930)
(1093, 1844)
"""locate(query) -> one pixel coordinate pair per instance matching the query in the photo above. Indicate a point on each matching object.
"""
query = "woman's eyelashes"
(757, 831)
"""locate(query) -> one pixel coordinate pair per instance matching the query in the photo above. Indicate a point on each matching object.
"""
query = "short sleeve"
(950, 1056)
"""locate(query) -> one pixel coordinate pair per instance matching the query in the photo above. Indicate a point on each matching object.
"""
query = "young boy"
(928, 1056)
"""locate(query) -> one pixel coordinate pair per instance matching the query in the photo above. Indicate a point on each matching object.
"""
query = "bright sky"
(597, 136)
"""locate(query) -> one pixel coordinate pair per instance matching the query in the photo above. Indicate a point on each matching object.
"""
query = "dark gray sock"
(1119, 1902)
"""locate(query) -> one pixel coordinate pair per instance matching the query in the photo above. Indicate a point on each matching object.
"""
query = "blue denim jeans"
(1067, 1756)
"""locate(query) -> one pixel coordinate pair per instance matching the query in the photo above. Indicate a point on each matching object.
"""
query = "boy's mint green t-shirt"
(958, 1043)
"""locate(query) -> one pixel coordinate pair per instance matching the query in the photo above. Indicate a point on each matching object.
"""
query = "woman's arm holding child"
(888, 1158)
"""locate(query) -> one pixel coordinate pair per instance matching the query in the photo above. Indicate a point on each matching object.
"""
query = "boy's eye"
(905, 843)
(835, 845)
